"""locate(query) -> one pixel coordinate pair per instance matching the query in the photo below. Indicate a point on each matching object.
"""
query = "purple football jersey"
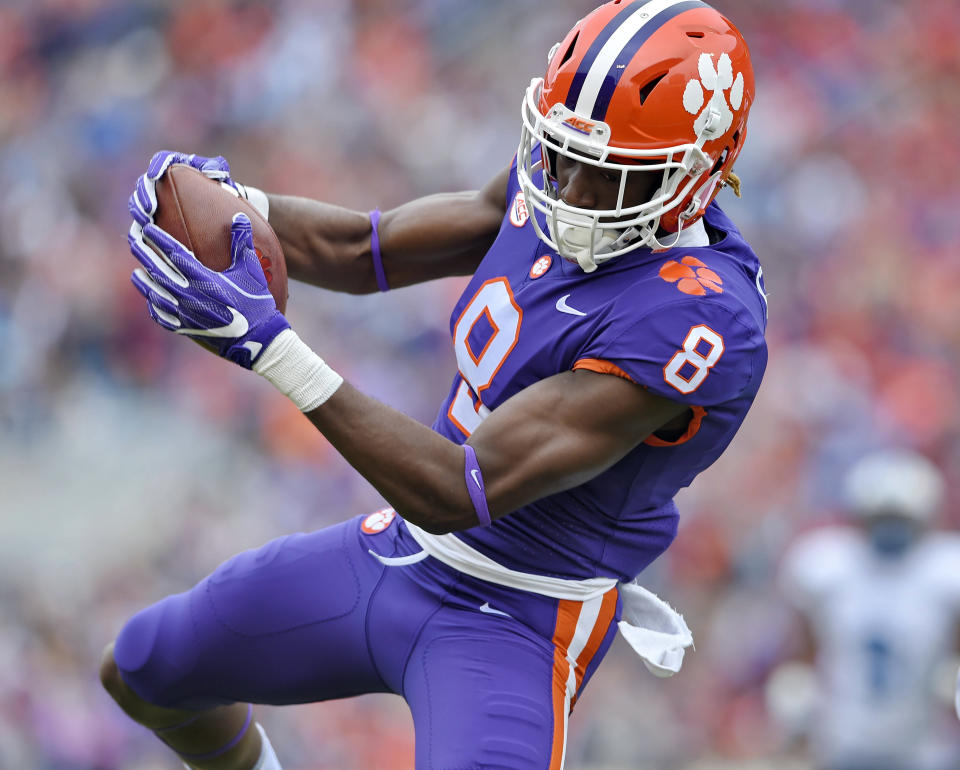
(686, 323)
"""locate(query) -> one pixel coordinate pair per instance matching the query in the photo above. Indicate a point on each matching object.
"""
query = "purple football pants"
(490, 673)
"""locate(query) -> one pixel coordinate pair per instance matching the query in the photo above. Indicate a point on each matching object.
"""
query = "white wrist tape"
(257, 198)
(297, 372)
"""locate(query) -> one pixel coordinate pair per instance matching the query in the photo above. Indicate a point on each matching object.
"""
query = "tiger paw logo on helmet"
(718, 81)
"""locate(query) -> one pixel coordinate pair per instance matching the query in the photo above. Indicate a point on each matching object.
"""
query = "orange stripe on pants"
(568, 613)
(607, 612)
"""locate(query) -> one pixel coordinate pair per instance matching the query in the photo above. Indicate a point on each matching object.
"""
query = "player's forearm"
(324, 245)
(419, 472)
(427, 238)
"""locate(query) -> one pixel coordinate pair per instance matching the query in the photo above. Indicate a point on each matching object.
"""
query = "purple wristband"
(375, 250)
(474, 479)
(223, 749)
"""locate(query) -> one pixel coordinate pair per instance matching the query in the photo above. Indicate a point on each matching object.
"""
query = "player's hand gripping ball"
(143, 202)
(200, 271)
(193, 199)
(231, 312)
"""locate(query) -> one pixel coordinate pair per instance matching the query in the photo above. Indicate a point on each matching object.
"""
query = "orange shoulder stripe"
(602, 367)
(692, 428)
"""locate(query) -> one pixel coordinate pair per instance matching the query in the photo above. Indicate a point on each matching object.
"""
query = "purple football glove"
(143, 202)
(232, 311)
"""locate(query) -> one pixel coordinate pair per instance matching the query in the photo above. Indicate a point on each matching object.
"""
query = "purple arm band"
(474, 479)
(375, 249)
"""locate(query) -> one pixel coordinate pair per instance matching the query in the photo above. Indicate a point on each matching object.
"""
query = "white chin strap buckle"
(573, 241)
(577, 239)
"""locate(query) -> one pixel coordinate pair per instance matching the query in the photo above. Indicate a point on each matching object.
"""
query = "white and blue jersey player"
(880, 601)
(609, 345)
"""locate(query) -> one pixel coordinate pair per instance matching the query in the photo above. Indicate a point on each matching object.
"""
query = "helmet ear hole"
(645, 90)
(720, 161)
(569, 52)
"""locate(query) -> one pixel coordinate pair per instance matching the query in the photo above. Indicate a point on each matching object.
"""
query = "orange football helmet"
(637, 86)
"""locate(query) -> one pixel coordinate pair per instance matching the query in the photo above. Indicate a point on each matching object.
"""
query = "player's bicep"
(442, 235)
(561, 432)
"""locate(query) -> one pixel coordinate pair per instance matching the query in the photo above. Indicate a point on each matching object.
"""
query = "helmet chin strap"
(578, 239)
(574, 241)
(582, 243)
(656, 242)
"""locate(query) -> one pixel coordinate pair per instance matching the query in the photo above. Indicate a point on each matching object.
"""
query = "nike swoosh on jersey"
(563, 307)
(236, 328)
(475, 475)
(486, 608)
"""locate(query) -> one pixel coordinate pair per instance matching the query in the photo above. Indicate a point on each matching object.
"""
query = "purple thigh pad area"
(313, 617)
(284, 585)
(281, 624)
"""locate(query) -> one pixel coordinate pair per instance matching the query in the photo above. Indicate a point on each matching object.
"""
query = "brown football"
(198, 212)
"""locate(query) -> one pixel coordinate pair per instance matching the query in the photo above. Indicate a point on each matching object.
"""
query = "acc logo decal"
(518, 211)
(579, 125)
(541, 266)
(716, 80)
(378, 521)
(691, 276)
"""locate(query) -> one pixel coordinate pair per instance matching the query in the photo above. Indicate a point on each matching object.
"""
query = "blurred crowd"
(132, 462)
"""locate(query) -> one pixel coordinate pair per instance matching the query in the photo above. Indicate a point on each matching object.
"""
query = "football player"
(609, 345)
(881, 600)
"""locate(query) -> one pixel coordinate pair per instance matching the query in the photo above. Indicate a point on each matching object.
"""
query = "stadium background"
(132, 462)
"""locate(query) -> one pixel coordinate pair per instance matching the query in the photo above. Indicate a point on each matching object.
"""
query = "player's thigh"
(280, 624)
(484, 698)
(494, 674)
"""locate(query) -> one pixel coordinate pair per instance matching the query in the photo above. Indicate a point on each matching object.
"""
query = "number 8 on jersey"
(701, 363)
